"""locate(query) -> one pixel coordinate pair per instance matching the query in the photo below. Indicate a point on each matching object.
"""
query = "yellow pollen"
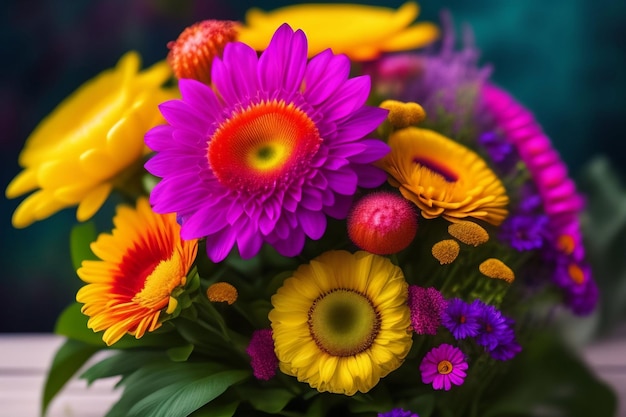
(444, 367)
(446, 251)
(403, 115)
(495, 268)
(159, 285)
(576, 274)
(469, 232)
(222, 292)
(566, 244)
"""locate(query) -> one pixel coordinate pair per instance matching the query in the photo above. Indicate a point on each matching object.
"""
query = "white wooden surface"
(25, 358)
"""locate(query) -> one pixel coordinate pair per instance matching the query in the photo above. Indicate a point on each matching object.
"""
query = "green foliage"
(69, 358)
(81, 237)
(171, 389)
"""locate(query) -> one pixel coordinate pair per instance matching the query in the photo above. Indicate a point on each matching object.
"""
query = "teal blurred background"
(564, 59)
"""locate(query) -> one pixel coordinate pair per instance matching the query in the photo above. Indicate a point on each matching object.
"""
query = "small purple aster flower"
(493, 326)
(461, 318)
(427, 306)
(496, 146)
(525, 232)
(261, 350)
(584, 302)
(506, 351)
(267, 153)
(444, 366)
(571, 276)
(398, 412)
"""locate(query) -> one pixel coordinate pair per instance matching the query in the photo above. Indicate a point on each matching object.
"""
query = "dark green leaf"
(180, 353)
(81, 237)
(216, 410)
(155, 377)
(269, 400)
(183, 397)
(123, 363)
(70, 357)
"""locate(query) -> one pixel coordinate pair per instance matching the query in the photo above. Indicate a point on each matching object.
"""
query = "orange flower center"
(576, 274)
(444, 367)
(566, 244)
(263, 147)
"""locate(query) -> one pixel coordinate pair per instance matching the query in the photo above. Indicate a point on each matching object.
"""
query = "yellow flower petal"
(361, 32)
(92, 138)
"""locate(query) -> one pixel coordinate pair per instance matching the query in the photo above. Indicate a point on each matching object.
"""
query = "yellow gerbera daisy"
(359, 31)
(75, 155)
(342, 322)
(142, 262)
(443, 177)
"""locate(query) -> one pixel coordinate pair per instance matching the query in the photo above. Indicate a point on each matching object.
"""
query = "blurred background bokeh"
(564, 59)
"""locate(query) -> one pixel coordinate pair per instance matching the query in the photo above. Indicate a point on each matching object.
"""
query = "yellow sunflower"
(75, 155)
(443, 177)
(342, 322)
(359, 31)
(141, 263)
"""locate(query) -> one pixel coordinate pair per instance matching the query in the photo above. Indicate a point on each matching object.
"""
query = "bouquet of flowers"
(316, 218)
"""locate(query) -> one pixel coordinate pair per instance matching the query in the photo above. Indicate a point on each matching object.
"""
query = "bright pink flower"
(444, 366)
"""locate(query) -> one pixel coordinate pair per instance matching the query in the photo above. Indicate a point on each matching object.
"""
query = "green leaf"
(269, 400)
(216, 410)
(184, 397)
(70, 357)
(72, 323)
(180, 353)
(81, 237)
(548, 376)
(155, 381)
(123, 363)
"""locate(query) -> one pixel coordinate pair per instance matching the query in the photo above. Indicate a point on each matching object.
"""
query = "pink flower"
(444, 366)
(263, 359)
(427, 305)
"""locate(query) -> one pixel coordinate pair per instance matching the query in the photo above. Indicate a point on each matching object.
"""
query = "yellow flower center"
(343, 322)
(158, 286)
(444, 367)
(264, 146)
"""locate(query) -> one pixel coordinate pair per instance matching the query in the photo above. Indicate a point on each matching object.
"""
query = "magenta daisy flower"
(267, 153)
(444, 366)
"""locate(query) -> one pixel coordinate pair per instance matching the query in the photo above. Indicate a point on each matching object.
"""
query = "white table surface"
(24, 359)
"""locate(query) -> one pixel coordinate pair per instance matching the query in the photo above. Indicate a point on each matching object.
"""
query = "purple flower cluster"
(427, 306)
(483, 322)
(398, 412)
(525, 228)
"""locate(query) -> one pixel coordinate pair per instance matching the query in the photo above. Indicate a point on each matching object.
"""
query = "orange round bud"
(382, 223)
(192, 54)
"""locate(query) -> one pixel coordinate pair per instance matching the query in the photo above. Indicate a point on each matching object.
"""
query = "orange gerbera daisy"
(141, 264)
(443, 177)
